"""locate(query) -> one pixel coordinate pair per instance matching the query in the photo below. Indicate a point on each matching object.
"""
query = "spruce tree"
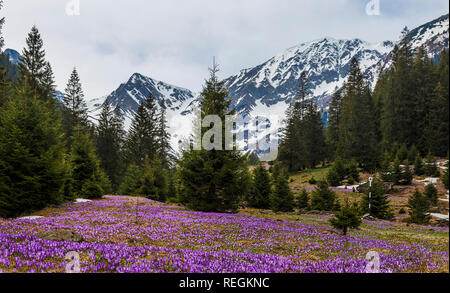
(33, 69)
(419, 209)
(430, 168)
(303, 200)
(86, 172)
(378, 201)
(431, 193)
(292, 152)
(163, 137)
(313, 136)
(323, 199)
(259, 196)
(437, 128)
(109, 142)
(445, 176)
(418, 166)
(346, 218)
(282, 199)
(213, 180)
(357, 133)
(153, 183)
(75, 111)
(4, 79)
(131, 181)
(334, 114)
(141, 140)
(33, 169)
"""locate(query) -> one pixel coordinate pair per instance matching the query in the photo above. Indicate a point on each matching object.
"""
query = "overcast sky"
(174, 40)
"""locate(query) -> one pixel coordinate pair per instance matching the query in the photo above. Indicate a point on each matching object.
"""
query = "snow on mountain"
(129, 95)
(326, 62)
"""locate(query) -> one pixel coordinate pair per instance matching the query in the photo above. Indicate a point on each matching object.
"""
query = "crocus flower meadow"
(136, 235)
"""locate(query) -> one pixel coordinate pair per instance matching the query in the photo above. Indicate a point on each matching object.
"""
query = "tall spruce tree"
(34, 70)
(346, 218)
(357, 133)
(313, 136)
(141, 140)
(32, 162)
(163, 138)
(75, 111)
(292, 148)
(86, 171)
(109, 141)
(334, 114)
(213, 180)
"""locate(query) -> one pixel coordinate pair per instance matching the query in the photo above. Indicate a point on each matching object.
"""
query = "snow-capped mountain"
(138, 87)
(432, 35)
(326, 62)
(267, 89)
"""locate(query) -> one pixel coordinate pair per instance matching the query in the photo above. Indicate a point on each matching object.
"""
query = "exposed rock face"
(60, 235)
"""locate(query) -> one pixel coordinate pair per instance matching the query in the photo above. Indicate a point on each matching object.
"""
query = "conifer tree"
(34, 70)
(323, 199)
(313, 138)
(419, 209)
(378, 201)
(163, 137)
(346, 218)
(86, 172)
(282, 199)
(153, 182)
(357, 133)
(303, 200)
(430, 168)
(259, 196)
(141, 141)
(445, 176)
(213, 180)
(334, 114)
(131, 181)
(109, 142)
(431, 193)
(33, 169)
(418, 166)
(75, 111)
(4, 80)
(437, 129)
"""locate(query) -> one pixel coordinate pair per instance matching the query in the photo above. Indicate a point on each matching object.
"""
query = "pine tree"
(357, 133)
(346, 218)
(259, 197)
(334, 114)
(418, 166)
(437, 129)
(430, 168)
(141, 141)
(431, 193)
(282, 199)
(303, 200)
(109, 142)
(323, 199)
(32, 163)
(34, 70)
(131, 181)
(419, 209)
(313, 138)
(292, 152)
(213, 180)
(378, 201)
(153, 183)
(86, 172)
(163, 137)
(445, 177)
(75, 111)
